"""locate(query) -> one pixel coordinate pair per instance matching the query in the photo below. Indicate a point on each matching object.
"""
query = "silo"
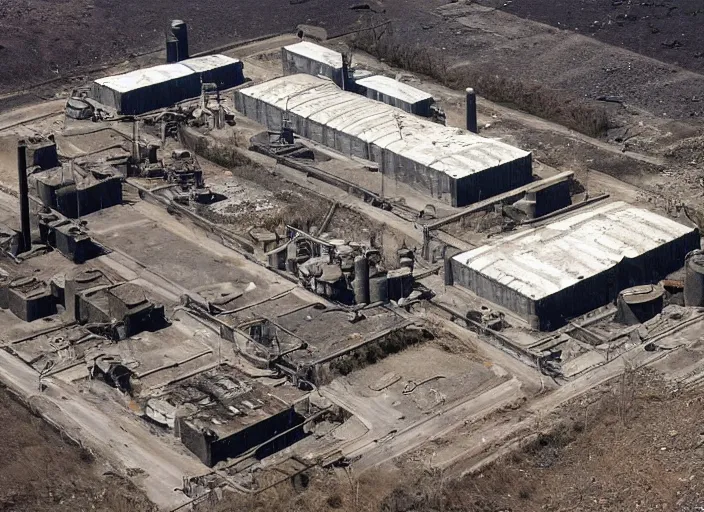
(180, 31)
(694, 278)
(171, 49)
(361, 280)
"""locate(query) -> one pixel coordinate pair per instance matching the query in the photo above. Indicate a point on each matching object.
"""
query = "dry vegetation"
(553, 104)
(40, 471)
(634, 444)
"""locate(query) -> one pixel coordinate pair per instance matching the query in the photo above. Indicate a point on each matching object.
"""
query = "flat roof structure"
(573, 265)
(146, 77)
(221, 70)
(143, 90)
(395, 93)
(313, 337)
(316, 52)
(391, 87)
(313, 59)
(453, 165)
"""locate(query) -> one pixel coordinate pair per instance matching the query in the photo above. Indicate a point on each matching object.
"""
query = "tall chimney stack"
(472, 111)
(26, 240)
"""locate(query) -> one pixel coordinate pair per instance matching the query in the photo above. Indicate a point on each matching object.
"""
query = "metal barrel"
(694, 279)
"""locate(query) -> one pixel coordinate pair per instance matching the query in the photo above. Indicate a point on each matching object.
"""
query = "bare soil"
(667, 30)
(41, 472)
(45, 39)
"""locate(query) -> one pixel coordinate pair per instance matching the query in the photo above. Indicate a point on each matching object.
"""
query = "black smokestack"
(26, 240)
(471, 110)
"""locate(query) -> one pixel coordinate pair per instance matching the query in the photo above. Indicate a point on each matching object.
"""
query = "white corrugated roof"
(452, 151)
(208, 62)
(145, 77)
(317, 53)
(394, 89)
(542, 261)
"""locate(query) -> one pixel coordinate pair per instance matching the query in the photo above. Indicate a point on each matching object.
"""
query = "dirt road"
(106, 430)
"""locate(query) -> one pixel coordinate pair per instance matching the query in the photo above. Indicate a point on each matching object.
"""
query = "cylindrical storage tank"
(346, 255)
(378, 289)
(406, 258)
(171, 49)
(404, 252)
(360, 285)
(639, 304)
(180, 31)
(406, 263)
(694, 279)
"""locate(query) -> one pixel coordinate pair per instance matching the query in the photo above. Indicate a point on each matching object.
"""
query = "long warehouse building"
(144, 90)
(549, 274)
(452, 165)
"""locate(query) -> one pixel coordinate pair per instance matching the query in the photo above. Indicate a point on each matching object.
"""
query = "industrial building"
(397, 94)
(549, 274)
(313, 59)
(452, 165)
(231, 414)
(319, 61)
(148, 89)
(223, 71)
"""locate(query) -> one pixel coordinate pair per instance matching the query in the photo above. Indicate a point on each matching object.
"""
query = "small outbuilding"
(397, 94)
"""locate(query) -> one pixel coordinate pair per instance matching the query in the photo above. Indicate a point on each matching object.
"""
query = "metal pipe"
(471, 110)
(26, 239)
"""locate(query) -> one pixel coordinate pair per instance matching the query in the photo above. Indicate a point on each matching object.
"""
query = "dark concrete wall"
(586, 295)
(194, 440)
(211, 451)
